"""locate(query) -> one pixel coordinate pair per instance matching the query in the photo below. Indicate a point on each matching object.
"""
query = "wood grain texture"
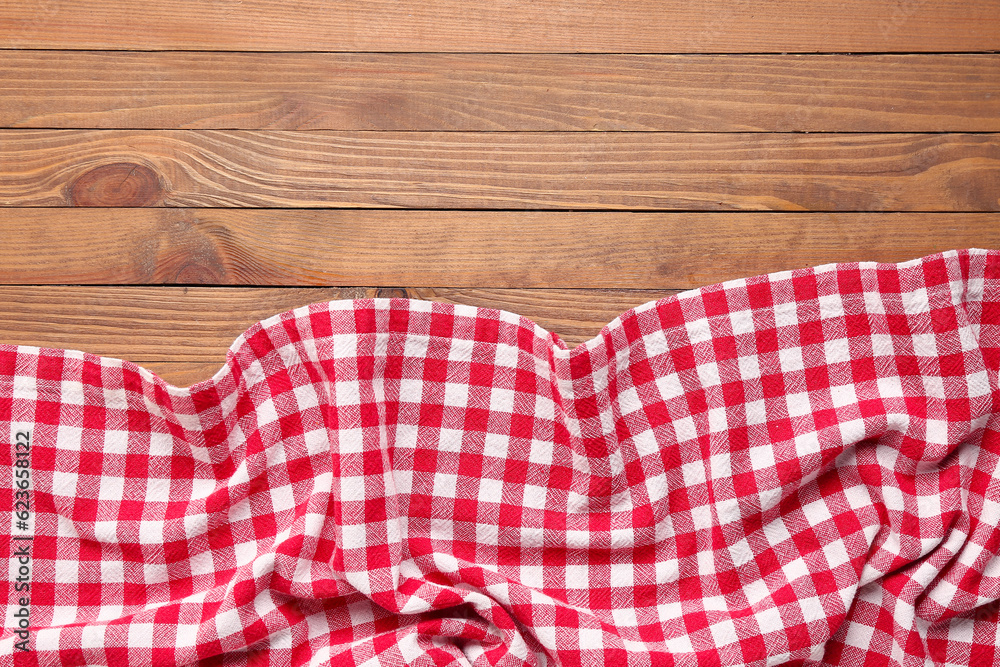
(545, 170)
(146, 323)
(458, 248)
(183, 333)
(182, 373)
(668, 26)
(497, 92)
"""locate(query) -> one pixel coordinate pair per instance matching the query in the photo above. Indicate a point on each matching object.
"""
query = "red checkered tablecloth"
(798, 468)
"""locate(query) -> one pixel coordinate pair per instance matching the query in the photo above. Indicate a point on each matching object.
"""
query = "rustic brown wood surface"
(468, 249)
(171, 173)
(505, 170)
(198, 324)
(642, 26)
(498, 92)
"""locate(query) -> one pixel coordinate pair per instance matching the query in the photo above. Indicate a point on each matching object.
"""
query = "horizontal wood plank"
(546, 170)
(183, 333)
(670, 26)
(497, 92)
(182, 373)
(189, 324)
(458, 248)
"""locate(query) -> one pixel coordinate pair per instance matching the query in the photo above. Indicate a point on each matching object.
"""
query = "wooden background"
(172, 172)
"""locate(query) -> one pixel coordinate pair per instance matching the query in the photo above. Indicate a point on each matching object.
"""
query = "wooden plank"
(544, 170)
(458, 248)
(667, 26)
(147, 323)
(182, 373)
(183, 333)
(513, 92)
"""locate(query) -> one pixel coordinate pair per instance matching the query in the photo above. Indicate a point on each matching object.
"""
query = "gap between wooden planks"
(640, 26)
(501, 92)
(449, 249)
(545, 170)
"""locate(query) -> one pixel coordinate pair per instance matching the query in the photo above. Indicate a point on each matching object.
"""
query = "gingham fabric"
(798, 468)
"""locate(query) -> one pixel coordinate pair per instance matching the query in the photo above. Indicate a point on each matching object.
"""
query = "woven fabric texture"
(798, 468)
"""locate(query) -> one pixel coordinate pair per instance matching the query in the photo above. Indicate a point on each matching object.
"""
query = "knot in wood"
(121, 184)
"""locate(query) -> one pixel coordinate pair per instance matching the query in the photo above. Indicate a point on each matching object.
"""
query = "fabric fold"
(798, 468)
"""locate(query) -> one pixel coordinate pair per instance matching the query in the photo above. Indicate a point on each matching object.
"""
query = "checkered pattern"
(798, 468)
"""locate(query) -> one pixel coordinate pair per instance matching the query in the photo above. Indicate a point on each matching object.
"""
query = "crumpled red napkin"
(798, 468)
